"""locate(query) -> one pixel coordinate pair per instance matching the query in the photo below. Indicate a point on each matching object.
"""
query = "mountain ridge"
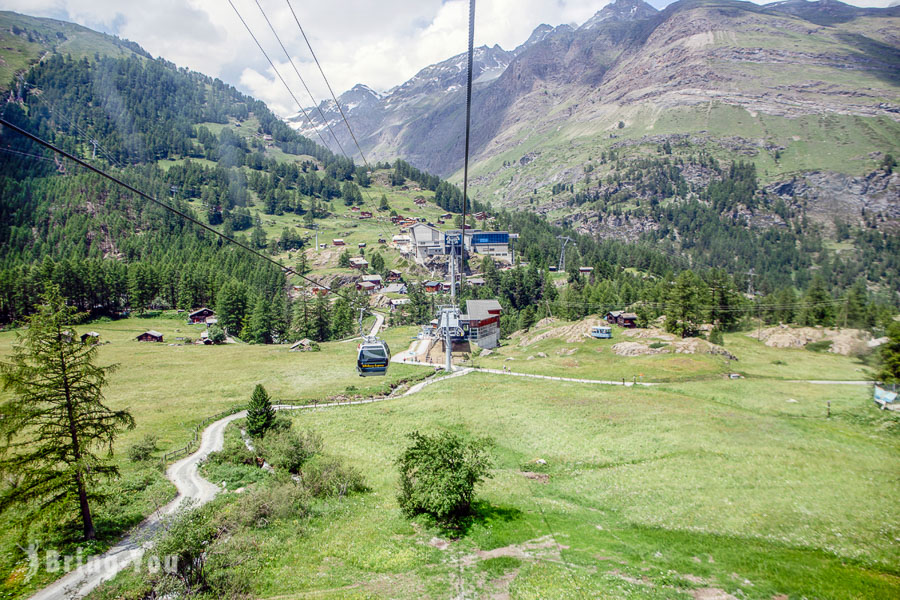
(690, 53)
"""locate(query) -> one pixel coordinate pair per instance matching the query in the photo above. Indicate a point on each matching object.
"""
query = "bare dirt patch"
(711, 594)
(643, 580)
(539, 477)
(843, 341)
(542, 548)
(573, 333)
(438, 543)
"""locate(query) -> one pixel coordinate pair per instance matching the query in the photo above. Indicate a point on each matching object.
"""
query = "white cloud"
(381, 44)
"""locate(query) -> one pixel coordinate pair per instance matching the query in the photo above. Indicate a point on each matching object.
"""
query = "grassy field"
(662, 493)
(595, 359)
(169, 389)
(742, 486)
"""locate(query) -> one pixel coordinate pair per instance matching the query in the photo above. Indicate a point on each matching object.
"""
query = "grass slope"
(39, 36)
(169, 391)
(659, 493)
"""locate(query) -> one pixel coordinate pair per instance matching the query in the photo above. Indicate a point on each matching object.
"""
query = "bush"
(289, 450)
(656, 345)
(822, 346)
(216, 334)
(716, 337)
(142, 450)
(262, 505)
(328, 476)
(438, 474)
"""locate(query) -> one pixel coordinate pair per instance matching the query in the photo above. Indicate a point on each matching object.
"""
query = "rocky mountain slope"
(794, 87)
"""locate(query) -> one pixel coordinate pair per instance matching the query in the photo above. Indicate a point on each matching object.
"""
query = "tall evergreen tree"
(260, 414)
(231, 306)
(259, 325)
(56, 420)
(685, 313)
(321, 326)
(818, 309)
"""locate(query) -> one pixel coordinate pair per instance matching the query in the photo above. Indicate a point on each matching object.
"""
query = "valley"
(679, 298)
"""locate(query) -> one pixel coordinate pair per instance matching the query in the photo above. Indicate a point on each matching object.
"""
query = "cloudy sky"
(378, 43)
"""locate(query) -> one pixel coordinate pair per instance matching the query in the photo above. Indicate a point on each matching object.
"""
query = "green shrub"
(656, 345)
(438, 474)
(289, 450)
(822, 346)
(716, 337)
(262, 505)
(216, 334)
(142, 450)
(328, 476)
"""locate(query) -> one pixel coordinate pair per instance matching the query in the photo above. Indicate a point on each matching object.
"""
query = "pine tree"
(231, 306)
(302, 264)
(686, 300)
(260, 414)
(301, 320)
(260, 323)
(56, 420)
(818, 309)
(321, 321)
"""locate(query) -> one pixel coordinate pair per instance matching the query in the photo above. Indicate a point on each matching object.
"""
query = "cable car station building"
(427, 241)
(482, 322)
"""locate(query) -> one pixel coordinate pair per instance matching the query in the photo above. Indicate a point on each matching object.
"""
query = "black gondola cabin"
(373, 358)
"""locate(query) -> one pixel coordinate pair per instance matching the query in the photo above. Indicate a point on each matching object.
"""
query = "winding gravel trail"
(185, 475)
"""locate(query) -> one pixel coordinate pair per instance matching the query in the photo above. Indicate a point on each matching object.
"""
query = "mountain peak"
(540, 32)
(620, 10)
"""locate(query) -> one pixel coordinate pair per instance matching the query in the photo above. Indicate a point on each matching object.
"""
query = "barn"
(150, 336)
(200, 315)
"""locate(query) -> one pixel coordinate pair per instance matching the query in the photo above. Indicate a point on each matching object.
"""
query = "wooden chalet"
(627, 320)
(365, 215)
(338, 242)
(586, 270)
(366, 286)
(475, 281)
(420, 200)
(91, 337)
(612, 317)
(358, 262)
(433, 286)
(394, 275)
(361, 245)
(150, 336)
(394, 288)
(201, 315)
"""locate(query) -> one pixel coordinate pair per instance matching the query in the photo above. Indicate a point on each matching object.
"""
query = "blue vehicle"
(602, 332)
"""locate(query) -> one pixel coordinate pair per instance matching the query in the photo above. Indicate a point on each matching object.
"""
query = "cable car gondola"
(373, 357)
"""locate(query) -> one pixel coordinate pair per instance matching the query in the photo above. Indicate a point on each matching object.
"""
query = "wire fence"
(198, 432)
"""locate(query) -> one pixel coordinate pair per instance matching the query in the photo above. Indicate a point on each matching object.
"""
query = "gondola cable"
(300, 106)
(277, 72)
(300, 77)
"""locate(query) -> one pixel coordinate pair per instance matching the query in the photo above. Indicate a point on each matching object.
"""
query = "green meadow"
(700, 485)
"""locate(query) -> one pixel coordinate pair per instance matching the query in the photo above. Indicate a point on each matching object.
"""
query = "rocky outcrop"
(828, 196)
